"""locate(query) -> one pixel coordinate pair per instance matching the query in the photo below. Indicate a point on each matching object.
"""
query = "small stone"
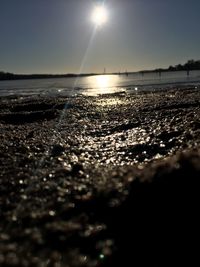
(101, 256)
(4, 237)
(52, 213)
(14, 218)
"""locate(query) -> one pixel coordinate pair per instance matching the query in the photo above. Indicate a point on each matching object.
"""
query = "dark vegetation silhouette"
(12, 76)
(189, 65)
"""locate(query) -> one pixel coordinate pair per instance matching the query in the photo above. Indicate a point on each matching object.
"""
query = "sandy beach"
(100, 180)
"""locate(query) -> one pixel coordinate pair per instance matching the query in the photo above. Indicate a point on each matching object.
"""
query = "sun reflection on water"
(102, 84)
(105, 81)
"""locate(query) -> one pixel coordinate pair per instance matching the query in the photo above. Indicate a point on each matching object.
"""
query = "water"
(101, 84)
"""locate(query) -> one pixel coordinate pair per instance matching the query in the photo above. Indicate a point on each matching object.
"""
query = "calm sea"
(101, 84)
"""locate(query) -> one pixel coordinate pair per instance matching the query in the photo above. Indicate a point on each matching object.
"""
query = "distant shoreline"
(12, 76)
(191, 65)
(4, 76)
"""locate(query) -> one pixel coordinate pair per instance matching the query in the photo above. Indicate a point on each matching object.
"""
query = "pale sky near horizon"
(48, 36)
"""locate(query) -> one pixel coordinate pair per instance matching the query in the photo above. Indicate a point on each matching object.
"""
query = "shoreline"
(83, 177)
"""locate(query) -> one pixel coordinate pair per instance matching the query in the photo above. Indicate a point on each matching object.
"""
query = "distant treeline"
(189, 65)
(12, 76)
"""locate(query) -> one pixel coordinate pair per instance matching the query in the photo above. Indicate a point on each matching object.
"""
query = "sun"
(99, 15)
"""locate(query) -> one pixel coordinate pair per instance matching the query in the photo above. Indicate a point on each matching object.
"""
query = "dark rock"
(57, 150)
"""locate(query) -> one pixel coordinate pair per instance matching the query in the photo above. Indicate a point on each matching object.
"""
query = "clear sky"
(57, 36)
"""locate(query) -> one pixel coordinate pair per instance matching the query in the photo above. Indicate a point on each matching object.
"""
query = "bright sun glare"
(99, 15)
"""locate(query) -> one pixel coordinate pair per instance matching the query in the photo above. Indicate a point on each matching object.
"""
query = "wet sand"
(109, 180)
